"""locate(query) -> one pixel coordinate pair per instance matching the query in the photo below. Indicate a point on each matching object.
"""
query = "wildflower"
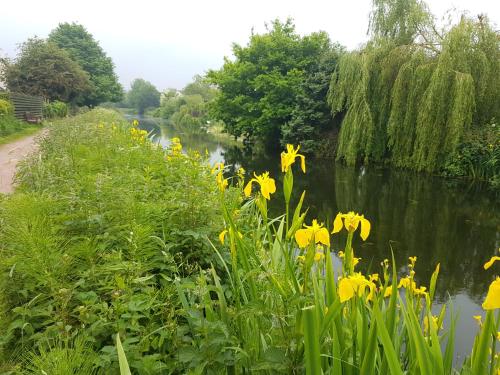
(175, 146)
(267, 185)
(221, 181)
(421, 291)
(315, 232)
(222, 236)
(301, 258)
(288, 158)
(351, 222)
(434, 320)
(318, 256)
(407, 283)
(492, 300)
(217, 168)
(413, 260)
(388, 291)
(135, 123)
(349, 286)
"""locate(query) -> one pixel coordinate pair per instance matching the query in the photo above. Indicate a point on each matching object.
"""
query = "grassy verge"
(115, 253)
(12, 129)
(23, 133)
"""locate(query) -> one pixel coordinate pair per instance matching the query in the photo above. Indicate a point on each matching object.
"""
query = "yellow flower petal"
(302, 163)
(365, 228)
(337, 223)
(346, 290)
(248, 188)
(322, 236)
(492, 300)
(303, 237)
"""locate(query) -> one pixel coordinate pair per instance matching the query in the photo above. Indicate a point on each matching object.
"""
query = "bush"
(6, 107)
(55, 109)
(478, 156)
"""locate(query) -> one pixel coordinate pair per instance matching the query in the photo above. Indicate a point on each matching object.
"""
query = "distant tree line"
(68, 66)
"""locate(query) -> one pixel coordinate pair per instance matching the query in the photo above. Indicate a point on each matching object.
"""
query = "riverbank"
(108, 233)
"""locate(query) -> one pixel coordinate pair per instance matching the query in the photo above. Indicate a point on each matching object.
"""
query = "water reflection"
(456, 224)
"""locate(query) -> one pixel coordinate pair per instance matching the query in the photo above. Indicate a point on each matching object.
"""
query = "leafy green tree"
(86, 51)
(142, 95)
(275, 88)
(42, 68)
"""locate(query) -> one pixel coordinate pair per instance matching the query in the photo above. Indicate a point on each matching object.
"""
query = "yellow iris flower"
(221, 181)
(267, 185)
(349, 286)
(351, 222)
(288, 158)
(315, 232)
(492, 300)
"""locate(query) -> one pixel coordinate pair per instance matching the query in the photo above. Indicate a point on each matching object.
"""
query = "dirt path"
(10, 155)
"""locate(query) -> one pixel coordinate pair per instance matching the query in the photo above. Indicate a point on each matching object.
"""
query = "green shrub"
(6, 107)
(478, 156)
(55, 109)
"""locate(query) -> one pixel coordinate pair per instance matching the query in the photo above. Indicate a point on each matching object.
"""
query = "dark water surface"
(456, 223)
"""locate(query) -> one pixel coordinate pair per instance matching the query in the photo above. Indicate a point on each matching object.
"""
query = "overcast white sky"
(168, 42)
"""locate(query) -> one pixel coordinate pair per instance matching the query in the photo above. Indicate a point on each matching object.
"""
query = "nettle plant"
(281, 307)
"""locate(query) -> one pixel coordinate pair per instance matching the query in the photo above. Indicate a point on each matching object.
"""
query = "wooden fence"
(26, 107)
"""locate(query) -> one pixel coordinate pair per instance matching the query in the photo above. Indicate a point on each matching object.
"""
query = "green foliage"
(55, 109)
(142, 95)
(41, 68)
(11, 128)
(86, 51)
(188, 109)
(412, 103)
(478, 155)
(274, 89)
(101, 225)
(6, 108)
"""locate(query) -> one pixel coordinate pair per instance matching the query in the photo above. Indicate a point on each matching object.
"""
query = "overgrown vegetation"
(109, 234)
(55, 109)
(91, 242)
(416, 96)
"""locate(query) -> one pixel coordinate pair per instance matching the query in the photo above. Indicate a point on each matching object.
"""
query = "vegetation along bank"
(109, 234)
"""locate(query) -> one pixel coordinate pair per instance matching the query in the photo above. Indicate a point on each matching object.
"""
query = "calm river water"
(456, 223)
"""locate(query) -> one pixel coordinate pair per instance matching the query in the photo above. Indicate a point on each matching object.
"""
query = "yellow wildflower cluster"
(138, 135)
(222, 183)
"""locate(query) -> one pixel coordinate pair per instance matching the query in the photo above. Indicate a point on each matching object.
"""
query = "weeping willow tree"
(410, 94)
